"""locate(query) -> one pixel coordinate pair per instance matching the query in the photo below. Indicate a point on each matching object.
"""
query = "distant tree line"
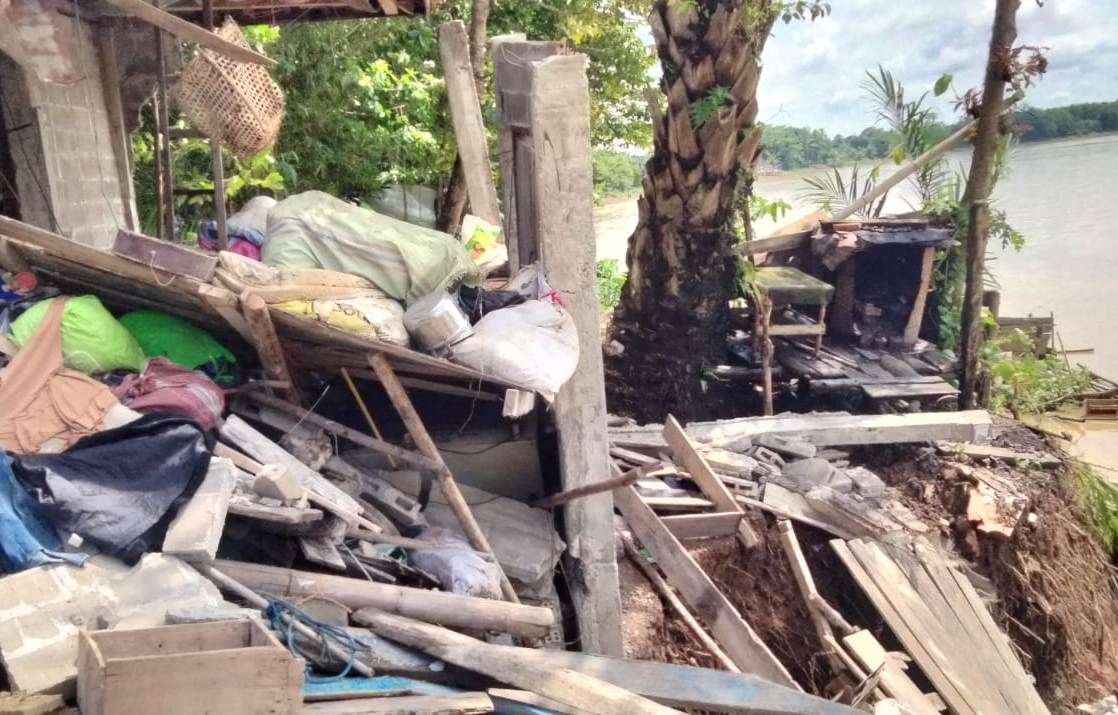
(1074, 120)
(796, 147)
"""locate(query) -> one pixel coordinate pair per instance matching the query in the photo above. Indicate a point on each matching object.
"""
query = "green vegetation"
(616, 172)
(1025, 384)
(610, 281)
(1100, 499)
(790, 148)
(1074, 120)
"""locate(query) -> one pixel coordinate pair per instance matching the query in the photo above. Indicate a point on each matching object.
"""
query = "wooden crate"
(219, 667)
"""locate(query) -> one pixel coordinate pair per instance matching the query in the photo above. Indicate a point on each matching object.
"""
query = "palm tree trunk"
(682, 270)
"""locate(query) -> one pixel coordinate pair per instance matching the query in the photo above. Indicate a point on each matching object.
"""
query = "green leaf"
(942, 84)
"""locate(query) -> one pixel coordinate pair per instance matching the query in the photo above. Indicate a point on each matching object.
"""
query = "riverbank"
(1059, 194)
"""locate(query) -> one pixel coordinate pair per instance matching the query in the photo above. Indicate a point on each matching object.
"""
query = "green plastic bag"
(92, 339)
(163, 335)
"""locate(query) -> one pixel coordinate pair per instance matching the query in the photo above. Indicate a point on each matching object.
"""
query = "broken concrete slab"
(789, 447)
(866, 484)
(807, 474)
(42, 610)
(196, 530)
(524, 540)
(277, 482)
(24, 704)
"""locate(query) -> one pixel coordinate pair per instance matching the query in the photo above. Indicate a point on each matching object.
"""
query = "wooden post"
(842, 316)
(465, 114)
(215, 156)
(454, 499)
(165, 182)
(766, 344)
(977, 194)
(114, 109)
(916, 317)
(562, 196)
(267, 342)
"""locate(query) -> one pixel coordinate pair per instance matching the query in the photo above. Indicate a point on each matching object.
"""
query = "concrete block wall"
(68, 144)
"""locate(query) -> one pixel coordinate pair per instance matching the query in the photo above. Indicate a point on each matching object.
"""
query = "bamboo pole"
(364, 410)
(233, 586)
(450, 609)
(454, 499)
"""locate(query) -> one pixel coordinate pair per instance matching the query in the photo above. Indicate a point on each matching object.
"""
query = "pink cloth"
(164, 386)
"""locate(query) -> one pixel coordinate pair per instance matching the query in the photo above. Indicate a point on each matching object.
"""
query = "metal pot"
(437, 322)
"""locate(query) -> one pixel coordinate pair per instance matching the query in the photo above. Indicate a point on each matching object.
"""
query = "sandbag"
(120, 489)
(92, 339)
(378, 318)
(316, 230)
(162, 335)
(533, 345)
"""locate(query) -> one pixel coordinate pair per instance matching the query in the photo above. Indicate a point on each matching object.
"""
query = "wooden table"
(784, 285)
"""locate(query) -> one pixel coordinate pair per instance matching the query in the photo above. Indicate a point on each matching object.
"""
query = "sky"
(813, 70)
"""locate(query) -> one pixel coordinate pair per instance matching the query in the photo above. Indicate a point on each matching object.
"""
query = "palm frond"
(833, 192)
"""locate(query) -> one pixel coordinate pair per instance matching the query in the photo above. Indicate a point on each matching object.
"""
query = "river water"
(1062, 195)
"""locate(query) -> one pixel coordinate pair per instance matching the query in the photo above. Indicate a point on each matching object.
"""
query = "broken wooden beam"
(189, 32)
(606, 485)
(451, 609)
(267, 342)
(567, 687)
(405, 456)
(453, 495)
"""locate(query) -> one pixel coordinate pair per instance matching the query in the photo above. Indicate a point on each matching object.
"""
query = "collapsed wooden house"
(69, 100)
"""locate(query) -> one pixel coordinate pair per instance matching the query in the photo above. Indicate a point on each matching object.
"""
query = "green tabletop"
(785, 285)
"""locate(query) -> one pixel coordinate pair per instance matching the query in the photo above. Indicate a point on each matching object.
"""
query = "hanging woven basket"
(236, 103)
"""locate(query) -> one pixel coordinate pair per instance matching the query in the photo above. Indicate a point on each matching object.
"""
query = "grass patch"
(610, 280)
(1026, 384)
(1100, 498)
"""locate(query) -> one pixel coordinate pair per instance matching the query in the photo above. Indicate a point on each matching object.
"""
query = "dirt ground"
(1057, 594)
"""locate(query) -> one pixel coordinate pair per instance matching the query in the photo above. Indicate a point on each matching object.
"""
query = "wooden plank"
(456, 704)
(405, 456)
(788, 329)
(562, 195)
(189, 32)
(916, 316)
(771, 244)
(677, 503)
(265, 451)
(908, 390)
(451, 609)
(666, 592)
(267, 342)
(702, 526)
(564, 686)
(704, 477)
(164, 255)
(909, 634)
(894, 681)
(23, 234)
(286, 515)
(465, 115)
(711, 607)
(986, 451)
(606, 485)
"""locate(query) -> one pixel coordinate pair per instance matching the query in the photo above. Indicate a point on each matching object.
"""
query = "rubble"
(355, 481)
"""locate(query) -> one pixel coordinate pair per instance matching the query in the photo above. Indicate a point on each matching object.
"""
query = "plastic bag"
(458, 568)
(162, 335)
(380, 318)
(92, 339)
(532, 345)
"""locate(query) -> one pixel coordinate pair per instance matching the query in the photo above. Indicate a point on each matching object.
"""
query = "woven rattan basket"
(237, 103)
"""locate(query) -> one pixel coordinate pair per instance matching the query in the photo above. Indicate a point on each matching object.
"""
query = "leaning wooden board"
(711, 607)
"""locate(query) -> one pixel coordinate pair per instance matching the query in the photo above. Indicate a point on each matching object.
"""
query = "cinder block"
(196, 530)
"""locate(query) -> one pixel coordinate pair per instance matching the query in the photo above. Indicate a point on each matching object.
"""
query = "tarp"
(119, 489)
(26, 538)
(316, 230)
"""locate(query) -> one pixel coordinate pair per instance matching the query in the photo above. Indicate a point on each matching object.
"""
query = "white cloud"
(813, 71)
